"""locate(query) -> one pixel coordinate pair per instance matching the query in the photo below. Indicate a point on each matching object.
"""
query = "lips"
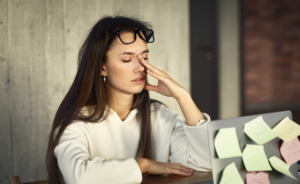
(138, 79)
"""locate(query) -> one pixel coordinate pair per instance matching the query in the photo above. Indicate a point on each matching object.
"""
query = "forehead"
(136, 47)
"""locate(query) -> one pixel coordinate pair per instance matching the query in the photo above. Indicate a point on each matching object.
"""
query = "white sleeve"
(202, 121)
(77, 168)
(189, 144)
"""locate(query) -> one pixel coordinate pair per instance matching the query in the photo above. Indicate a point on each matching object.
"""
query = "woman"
(107, 130)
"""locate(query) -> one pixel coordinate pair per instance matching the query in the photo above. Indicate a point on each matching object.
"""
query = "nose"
(138, 66)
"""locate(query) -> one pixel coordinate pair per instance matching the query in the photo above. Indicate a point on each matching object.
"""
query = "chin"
(132, 90)
(137, 91)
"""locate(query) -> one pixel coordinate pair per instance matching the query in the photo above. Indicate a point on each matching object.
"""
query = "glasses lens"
(127, 36)
(148, 35)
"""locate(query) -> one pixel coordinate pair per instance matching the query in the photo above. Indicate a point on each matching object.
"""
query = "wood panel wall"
(39, 42)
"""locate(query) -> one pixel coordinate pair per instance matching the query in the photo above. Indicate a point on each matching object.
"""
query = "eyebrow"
(131, 53)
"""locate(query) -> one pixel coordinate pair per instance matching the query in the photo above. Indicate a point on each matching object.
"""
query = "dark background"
(269, 62)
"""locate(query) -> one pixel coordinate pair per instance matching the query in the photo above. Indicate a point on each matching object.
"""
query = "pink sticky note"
(257, 178)
(290, 151)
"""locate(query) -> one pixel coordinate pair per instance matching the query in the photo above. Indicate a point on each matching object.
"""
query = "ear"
(103, 70)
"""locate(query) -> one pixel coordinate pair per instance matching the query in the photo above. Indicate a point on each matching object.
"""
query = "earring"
(104, 79)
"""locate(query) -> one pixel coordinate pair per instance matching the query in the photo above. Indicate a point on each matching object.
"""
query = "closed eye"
(125, 61)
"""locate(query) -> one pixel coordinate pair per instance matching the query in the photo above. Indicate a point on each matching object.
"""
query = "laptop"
(271, 148)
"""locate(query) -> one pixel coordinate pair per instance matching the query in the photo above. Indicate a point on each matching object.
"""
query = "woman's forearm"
(143, 164)
(189, 109)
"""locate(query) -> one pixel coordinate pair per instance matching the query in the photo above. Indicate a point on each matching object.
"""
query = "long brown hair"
(88, 89)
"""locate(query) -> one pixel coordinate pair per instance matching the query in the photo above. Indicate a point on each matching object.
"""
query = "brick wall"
(271, 42)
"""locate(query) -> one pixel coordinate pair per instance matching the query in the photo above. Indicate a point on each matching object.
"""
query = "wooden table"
(197, 177)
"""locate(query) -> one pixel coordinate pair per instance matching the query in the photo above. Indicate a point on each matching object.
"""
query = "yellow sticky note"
(259, 131)
(231, 175)
(281, 166)
(287, 129)
(255, 159)
(226, 143)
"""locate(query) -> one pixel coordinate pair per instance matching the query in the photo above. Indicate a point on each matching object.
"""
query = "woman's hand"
(166, 85)
(168, 168)
(153, 167)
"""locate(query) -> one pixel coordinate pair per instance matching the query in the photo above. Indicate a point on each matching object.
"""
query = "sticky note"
(255, 159)
(231, 175)
(257, 178)
(290, 151)
(281, 166)
(259, 131)
(226, 143)
(287, 129)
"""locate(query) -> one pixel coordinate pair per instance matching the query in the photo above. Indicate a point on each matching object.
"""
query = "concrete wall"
(39, 42)
(229, 59)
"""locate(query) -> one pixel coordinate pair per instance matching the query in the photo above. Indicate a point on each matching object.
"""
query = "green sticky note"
(226, 143)
(259, 131)
(255, 159)
(231, 175)
(287, 129)
(281, 166)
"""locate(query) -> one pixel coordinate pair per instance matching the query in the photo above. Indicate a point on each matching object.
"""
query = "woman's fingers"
(149, 66)
(150, 87)
(155, 75)
(183, 168)
(155, 167)
(181, 172)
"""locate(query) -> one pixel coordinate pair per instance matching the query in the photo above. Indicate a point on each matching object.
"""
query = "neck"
(122, 104)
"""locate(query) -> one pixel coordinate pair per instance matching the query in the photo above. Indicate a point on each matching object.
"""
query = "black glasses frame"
(135, 32)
